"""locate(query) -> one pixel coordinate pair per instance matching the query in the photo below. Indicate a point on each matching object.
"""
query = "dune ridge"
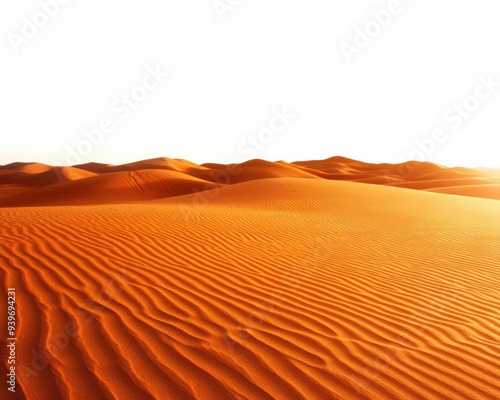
(33, 184)
(275, 287)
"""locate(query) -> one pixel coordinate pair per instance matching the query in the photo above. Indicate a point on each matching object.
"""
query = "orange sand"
(254, 281)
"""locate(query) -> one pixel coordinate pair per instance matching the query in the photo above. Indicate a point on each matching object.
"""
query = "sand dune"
(112, 187)
(243, 282)
(32, 184)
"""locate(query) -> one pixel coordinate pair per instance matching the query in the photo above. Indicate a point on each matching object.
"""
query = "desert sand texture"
(332, 279)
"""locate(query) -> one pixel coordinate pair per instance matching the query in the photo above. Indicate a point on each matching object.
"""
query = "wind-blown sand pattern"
(164, 279)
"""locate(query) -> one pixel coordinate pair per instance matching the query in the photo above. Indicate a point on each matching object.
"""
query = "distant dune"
(331, 279)
(33, 184)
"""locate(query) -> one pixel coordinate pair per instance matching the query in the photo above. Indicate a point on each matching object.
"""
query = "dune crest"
(273, 287)
(32, 184)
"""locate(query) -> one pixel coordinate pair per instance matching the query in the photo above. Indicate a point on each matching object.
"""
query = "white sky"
(226, 76)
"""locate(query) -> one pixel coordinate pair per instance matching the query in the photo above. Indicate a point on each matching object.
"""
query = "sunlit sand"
(328, 279)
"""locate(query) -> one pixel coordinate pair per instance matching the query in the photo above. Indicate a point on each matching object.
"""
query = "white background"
(227, 75)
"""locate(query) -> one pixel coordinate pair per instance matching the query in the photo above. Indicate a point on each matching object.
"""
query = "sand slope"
(32, 184)
(282, 288)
